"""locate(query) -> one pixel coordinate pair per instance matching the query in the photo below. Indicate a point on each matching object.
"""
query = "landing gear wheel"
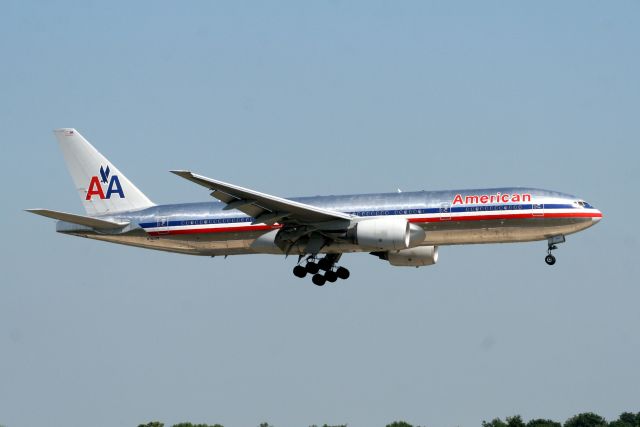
(331, 276)
(299, 271)
(312, 267)
(318, 279)
(342, 273)
(324, 264)
(551, 246)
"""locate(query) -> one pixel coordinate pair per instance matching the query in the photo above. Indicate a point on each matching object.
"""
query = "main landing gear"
(551, 245)
(327, 264)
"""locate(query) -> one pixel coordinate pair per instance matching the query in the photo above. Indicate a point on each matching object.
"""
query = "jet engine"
(412, 257)
(387, 234)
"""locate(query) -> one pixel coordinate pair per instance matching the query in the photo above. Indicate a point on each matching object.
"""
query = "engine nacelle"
(388, 234)
(412, 257)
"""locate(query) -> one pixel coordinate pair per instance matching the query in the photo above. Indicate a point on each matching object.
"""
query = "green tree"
(496, 422)
(152, 424)
(196, 425)
(626, 419)
(515, 421)
(399, 424)
(586, 419)
(539, 422)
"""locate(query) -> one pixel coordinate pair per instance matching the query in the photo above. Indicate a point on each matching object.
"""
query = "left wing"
(263, 207)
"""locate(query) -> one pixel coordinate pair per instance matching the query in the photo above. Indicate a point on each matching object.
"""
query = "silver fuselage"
(207, 229)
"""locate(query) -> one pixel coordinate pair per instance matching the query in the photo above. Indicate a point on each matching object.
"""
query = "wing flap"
(78, 219)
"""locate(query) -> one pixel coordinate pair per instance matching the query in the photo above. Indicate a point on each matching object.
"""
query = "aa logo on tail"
(95, 185)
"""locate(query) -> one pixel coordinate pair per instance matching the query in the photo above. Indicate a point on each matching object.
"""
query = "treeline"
(586, 419)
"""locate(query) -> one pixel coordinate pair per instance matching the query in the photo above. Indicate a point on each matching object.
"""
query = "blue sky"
(296, 98)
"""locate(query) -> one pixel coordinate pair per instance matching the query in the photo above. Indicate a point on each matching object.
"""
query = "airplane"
(403, 228)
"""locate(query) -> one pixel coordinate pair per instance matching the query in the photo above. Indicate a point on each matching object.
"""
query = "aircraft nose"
(597, 217)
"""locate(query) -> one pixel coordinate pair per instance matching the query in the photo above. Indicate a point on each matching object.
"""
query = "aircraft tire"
(550, 259)
(318, 280)
(299, 271)
(342, 273)
(324, 264)
(312, 267)
(331, 276)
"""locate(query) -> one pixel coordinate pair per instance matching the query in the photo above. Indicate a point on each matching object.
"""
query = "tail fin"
(102, 187)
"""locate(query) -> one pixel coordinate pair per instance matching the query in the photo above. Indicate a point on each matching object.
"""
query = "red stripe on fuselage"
(216, 230)
(507, 216)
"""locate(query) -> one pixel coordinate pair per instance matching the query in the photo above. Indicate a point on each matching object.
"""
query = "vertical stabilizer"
(102, 187)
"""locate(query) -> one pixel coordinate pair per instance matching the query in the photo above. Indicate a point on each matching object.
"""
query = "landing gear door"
(445, 211)
(537, 209)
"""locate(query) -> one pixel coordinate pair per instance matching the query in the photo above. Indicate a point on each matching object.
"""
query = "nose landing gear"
(551, 245)
(327, 264)
(550, 259)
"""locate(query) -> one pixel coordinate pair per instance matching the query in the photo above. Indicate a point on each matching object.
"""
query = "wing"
(263, 207)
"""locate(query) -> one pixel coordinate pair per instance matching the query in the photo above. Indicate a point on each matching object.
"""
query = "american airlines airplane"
(403, 228)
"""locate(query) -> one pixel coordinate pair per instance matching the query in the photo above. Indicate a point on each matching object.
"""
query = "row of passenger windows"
(215, 221)
(494, 208)
(394, 212)
(367, 213)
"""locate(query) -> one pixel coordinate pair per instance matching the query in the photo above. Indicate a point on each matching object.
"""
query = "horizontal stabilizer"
(87, 221)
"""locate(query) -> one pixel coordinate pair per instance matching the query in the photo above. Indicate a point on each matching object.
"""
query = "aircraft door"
(537, 209)
(445, 211)
(163, 225)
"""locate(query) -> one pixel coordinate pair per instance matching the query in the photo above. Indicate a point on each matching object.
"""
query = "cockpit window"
(581, 203)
